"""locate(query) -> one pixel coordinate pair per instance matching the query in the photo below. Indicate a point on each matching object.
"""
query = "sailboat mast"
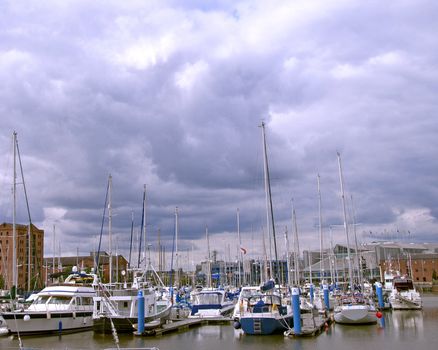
(144, 226)
(265, 265)
(208, 259)
(269, 209)
(341, 179)
(14, 210)
(132, 234)
(54, 249)
(287, 257)
(110, 219)
(358, 254)
(296, 247)
(240, 248)
(176, 248)
(321, 265)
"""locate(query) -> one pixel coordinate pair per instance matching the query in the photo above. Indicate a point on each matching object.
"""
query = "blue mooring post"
(311, 293)
(379, 293)
(326, 297)
(140, 299)
(296, 310)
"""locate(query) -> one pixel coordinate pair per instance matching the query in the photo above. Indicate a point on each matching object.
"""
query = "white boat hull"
(33, 323)
(405, 304)
(355, 314)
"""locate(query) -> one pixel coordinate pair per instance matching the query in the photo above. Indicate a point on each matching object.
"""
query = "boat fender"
(379, 314)
(26, 318)
(49, 316)
(237, 325)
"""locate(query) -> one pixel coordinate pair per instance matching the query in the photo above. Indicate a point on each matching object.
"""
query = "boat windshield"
(266, 299)
(247, 293)
(208, 298)
(404, 285)
(59, 299)
(42, 299)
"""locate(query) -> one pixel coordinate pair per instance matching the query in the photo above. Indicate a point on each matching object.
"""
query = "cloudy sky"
(171, 94)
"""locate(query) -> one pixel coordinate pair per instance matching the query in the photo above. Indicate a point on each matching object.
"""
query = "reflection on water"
(401, 330)
(407, 323)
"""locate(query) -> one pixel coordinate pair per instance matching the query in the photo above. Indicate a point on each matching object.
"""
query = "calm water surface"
(413, 330)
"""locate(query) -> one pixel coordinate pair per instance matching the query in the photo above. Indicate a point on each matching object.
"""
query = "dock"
(311, 325)
(184, 324)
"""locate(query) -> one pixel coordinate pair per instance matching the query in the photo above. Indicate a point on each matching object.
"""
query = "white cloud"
(345, 71)
(190, 75)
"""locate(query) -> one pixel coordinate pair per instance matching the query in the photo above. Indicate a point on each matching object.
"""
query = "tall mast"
(341, 179)
(287, 257)
(358, 254)
(54, 249)
(176, 248)
(265, 265)
(240, 249)
(321, 265)
(310, 267)
(296, 247)
(132, 234)
(29, 245)
(159, 249)
(14, 210)
(110, 219)
(269, 209)
(144, 227)
(208, 259)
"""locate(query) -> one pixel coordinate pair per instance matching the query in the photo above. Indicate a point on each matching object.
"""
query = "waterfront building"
(29, 254)
(417, 260)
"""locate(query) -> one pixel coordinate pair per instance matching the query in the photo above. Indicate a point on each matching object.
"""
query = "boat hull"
(265, 325)
(37, 323)
(206, 311)
(403, 305)
(126, 324)
(355, 314)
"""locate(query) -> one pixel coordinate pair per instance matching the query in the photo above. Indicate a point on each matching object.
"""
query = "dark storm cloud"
(171, 96)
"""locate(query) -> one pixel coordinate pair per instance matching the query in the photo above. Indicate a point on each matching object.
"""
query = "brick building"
(29, 254)
(424, 267)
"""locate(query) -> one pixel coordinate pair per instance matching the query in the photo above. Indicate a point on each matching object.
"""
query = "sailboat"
(210, 302)
(264, 311)
(116, 304)
(354, 306)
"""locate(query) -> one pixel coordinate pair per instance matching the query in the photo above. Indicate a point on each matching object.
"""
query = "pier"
(181, 325)
(311, 325)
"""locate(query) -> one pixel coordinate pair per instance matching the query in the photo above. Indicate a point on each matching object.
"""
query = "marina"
(401, 329)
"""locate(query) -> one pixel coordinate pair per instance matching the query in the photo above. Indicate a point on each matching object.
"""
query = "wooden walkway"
(177, 326)
(311, 325)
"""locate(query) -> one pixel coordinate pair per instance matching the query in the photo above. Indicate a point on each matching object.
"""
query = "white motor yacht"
(65, 307)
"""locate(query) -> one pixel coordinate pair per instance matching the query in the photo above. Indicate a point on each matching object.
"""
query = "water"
(410, 330)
